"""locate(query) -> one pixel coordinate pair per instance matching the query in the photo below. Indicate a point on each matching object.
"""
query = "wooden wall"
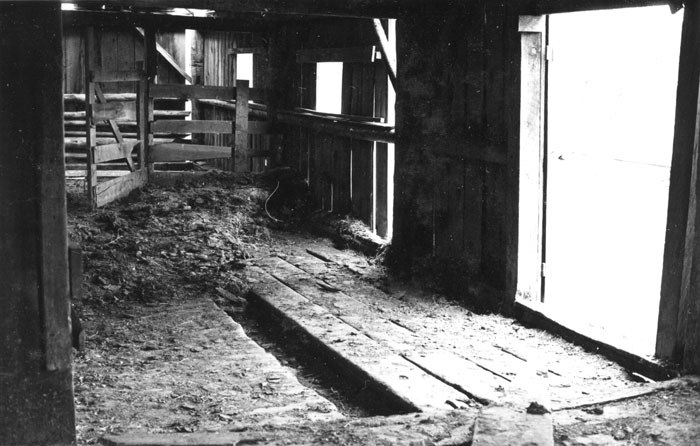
(218, 68)
(119, 49)
(340, 170)
(452, 177)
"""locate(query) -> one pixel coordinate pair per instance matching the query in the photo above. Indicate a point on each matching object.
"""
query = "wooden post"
(143, 121)
(672, 325)
(36, 393)
(240, 157)
(151, 62)
(90, 126)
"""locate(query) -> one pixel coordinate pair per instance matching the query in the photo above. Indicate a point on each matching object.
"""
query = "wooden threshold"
(534, 314)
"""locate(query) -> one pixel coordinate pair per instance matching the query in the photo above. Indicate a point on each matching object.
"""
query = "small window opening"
(244, 67)
(329, 82)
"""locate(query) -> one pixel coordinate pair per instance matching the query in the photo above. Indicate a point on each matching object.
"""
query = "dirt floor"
(161, 357)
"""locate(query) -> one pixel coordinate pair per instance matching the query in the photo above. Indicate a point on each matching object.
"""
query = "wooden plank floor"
(398, 359)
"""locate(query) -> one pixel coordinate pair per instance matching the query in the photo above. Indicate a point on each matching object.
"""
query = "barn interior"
(350, 222)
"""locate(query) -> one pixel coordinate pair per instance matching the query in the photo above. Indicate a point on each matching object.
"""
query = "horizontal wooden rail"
(357, 54)
(184, 92)
(367, 131)
(79, 116)
(79, 97)
(119, 187)
(256, 110)
(117, 76)
(110, 152)
(184, 127)
(340, 125)
(186, 152)
(116, 110)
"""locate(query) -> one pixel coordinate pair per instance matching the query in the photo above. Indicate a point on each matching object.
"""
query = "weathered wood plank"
(499, 426)
(117, 76)
(358, 54)
(392, 376)
(460, 373)
(115, 111)
(184, 92)
(116, 151)
(187, 152)
(241, 149)
(182, 127)
(116, 188)
(168, 58)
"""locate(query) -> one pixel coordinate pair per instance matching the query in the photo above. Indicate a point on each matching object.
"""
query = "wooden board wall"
(119, 50)
(341, 169)
(219, 69)
(451, 174)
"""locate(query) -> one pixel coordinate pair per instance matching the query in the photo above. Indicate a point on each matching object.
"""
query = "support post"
(36, 390)
(241, 159)
(678, 256)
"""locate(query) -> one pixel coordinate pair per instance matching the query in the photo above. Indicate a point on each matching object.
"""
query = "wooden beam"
(114, 111)
(244, 50)
(241, 159)
(187, 152)
(78, 19)
(168, 58)
(367, 131)
(77, 116)
(36, 390)
(184, 127)
(672, 305)
(102, 100)
(357, 54)
(541, 7)
(110, 152)
(116, 188)
(333, 8)
(184, 92)
(109, 97)
(388, 53)
(116, 76)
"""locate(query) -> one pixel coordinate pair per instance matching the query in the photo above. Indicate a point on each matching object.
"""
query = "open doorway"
(610, 102)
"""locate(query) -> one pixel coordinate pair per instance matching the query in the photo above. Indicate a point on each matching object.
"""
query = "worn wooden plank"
(115, 111)
(120, 187)
(117, 76)
(116, 151)
(182, 127)
(531, 152)
(184, 92)
(168, 58)
(143, 118)
(241, 157)
(358, 54)
(90, 129)
(381, 153)
(187, 152)
(499, 426)
(463, 374)
(112, 123)
(362, 181)
(359, 356)
(341, 174)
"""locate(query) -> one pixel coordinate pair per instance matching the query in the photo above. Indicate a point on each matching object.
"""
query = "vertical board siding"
(451, 196)
(219, 69)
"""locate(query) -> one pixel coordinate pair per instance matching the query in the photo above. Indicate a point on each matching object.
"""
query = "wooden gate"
(97, 108)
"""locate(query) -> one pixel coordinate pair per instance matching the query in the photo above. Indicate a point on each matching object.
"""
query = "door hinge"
(544, 269)
(548, 53)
